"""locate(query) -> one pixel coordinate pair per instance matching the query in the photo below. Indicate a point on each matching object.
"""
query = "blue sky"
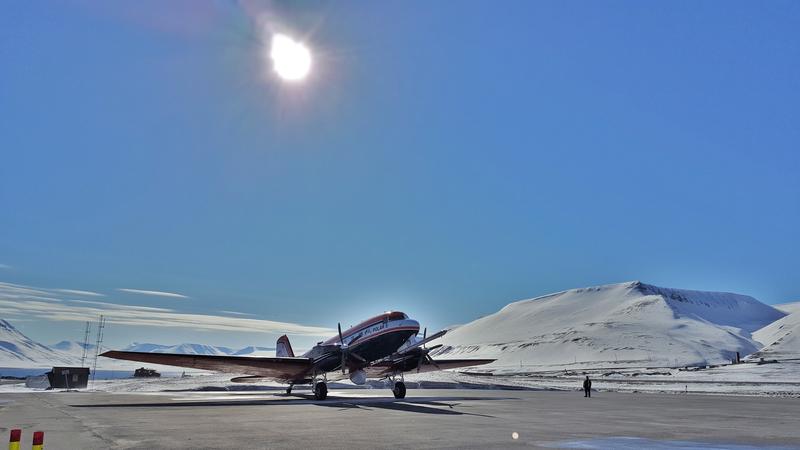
(439, 160)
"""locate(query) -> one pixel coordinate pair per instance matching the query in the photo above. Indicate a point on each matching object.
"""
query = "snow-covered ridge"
(186, 348)
(17, 350)
(200, 349)
(789, 308)
(255, 351)
(74, 348)
(781, 338)
(628, 324)
(722, 308)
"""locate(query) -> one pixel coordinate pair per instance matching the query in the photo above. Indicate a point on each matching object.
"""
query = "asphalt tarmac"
(446, 418)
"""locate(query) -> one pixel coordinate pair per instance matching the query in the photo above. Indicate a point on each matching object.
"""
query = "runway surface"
(426, 419)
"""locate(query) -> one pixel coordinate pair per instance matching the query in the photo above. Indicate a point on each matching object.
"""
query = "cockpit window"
(397, 315)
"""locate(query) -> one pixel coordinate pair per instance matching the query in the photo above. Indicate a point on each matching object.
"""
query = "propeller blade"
(425, 341)
(342, 348)
(430, 360)
(357, 356)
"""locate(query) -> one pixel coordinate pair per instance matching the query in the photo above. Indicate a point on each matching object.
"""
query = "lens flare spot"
(291, 59)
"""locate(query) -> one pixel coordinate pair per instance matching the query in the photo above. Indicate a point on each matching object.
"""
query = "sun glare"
(291, 60)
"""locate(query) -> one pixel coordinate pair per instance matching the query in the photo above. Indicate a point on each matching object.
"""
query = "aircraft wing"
(405, 363)
(283, 368)
(443, 364)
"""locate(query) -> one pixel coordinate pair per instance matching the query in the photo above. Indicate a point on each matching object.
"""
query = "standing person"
(587, 387)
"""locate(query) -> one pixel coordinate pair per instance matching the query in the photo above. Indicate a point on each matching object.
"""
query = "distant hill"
(626, 324)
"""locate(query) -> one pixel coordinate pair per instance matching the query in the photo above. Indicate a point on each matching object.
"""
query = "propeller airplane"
(382, 347)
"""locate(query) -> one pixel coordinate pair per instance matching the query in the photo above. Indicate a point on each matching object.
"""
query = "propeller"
(345, 351)
(423, 352)
(342, 347)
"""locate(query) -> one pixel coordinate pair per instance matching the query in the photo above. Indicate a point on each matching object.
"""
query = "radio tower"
(86, 342)
(100, 325)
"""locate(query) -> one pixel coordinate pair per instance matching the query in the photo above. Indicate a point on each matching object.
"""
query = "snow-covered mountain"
(781, 338)
(74, 348)
(17, 350)
(188, 349)
(200, 349)
(619, 324)
(255, 351)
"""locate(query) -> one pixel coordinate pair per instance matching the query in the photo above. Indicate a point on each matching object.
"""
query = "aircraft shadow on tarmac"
(430, 405)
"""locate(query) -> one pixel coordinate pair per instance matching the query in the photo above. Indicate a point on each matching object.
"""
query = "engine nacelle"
(358, 377)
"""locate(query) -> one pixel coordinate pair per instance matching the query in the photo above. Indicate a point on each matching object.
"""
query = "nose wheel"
(320, 391)
(399, 390)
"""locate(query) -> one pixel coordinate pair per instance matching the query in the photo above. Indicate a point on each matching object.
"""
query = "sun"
(291, 60)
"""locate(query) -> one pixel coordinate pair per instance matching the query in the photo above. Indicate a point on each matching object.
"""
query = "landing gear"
(320, 391)
(319, 386)
(399, 390)
(289, 389)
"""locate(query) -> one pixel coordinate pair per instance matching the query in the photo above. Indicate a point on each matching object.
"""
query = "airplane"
(382, 347)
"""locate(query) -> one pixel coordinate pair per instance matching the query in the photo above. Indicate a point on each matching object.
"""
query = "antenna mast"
(86, 342)
(100, 325)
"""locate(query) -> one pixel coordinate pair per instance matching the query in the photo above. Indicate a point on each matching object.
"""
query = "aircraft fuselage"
(372, 339)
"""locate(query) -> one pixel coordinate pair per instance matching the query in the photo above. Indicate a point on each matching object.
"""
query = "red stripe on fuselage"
(371, 322)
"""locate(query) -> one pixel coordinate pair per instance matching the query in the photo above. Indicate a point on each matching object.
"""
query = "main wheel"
(321, 391)
(399, 390)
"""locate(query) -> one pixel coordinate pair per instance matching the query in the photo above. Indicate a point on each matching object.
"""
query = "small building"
(68, 377)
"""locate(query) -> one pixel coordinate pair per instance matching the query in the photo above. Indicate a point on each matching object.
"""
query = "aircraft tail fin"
(284, 348)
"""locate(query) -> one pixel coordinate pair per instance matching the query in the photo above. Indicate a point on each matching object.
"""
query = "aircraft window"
(397, 316)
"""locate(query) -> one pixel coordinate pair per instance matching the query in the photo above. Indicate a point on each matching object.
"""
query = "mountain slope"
(17, 350)
(781, 338)
(188, 349)
(631, 324)
(789, 308)
(74, 348)
(255, 351)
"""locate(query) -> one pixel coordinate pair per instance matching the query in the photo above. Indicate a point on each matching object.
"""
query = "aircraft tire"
(321, 391)
(399, 390)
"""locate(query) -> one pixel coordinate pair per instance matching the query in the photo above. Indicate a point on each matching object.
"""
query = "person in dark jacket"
(587, 387)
